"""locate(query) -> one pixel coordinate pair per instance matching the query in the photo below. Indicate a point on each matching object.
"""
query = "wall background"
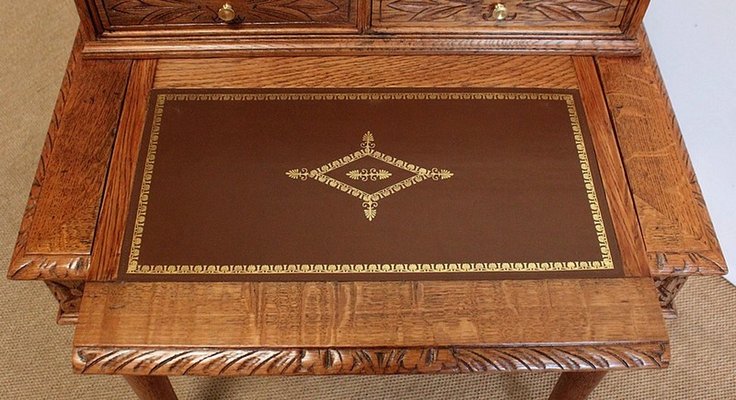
(695, 45)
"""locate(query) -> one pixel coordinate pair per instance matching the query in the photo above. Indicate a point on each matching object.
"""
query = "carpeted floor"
(35, 353)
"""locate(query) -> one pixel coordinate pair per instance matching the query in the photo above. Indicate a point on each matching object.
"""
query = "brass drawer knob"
(226, 12)
(500, 12)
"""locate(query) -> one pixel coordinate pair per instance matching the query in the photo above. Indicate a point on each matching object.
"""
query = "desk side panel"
(58, 226)
(677, 229)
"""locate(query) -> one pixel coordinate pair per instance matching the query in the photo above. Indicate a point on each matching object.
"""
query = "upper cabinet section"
(164, 28)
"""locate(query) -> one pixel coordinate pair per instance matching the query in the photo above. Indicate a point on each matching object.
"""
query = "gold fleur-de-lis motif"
(367, 174)
(437, 174)
(368, 142)
(369, 209)
(298, 173)
(369, 200)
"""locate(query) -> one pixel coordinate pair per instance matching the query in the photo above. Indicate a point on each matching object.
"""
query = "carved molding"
(240, 362)
(572, 10)
(56, 266)
(692, 263)
(158, 12)
(69, 295)
(53, 266)
(667, 290)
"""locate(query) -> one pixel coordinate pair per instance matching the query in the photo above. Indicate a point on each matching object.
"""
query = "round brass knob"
(500, 12)
(226, 12)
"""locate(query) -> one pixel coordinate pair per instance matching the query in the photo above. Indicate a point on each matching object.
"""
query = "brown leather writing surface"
(360, 185)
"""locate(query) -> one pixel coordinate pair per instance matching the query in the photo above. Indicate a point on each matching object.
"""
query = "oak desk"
(73, 232)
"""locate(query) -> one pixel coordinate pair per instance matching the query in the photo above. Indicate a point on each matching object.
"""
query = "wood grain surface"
(368, 71)
(677, 230)
(107, 248)
(58, 226)
(206, 44)
(200, 328)
(369, 314)
(625, 222)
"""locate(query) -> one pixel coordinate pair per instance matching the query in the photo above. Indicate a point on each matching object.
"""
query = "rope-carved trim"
(240, 362)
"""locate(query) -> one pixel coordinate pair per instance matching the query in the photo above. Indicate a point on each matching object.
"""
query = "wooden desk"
(70, 239)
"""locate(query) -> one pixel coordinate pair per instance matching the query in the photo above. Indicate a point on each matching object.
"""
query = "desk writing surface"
(367, 185)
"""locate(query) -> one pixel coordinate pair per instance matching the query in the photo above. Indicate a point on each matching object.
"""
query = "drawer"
(188, 14)
(492, 15)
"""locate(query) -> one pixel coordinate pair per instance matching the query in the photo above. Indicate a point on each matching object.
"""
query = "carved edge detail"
(41, 266)
(667, 290)
(690, 263)
(24, 266)
(328, 361)
(685, 263)
(69, 295)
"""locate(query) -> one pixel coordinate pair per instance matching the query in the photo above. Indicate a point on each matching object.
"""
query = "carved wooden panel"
(520, 12)
(69, 295)
(204, 12)
(667, 289)
(243, 362)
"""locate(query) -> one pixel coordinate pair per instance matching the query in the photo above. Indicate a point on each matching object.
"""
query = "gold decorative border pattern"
(605, 263)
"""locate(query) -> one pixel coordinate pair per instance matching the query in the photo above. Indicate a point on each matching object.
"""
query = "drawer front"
(245, 13)
(455, 15)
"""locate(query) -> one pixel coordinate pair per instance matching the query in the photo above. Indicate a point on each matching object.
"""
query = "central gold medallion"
(370, 197)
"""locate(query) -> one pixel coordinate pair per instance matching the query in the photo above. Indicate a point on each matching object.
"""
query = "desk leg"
(151, 387)
(576, 385)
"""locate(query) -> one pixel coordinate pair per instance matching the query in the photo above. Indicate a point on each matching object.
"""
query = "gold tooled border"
(605, 263)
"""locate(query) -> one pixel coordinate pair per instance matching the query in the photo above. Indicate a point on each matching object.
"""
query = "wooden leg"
(151, 387)
(576, 385)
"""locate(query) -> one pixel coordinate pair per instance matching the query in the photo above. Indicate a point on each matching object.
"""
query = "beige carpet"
(35, 352)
